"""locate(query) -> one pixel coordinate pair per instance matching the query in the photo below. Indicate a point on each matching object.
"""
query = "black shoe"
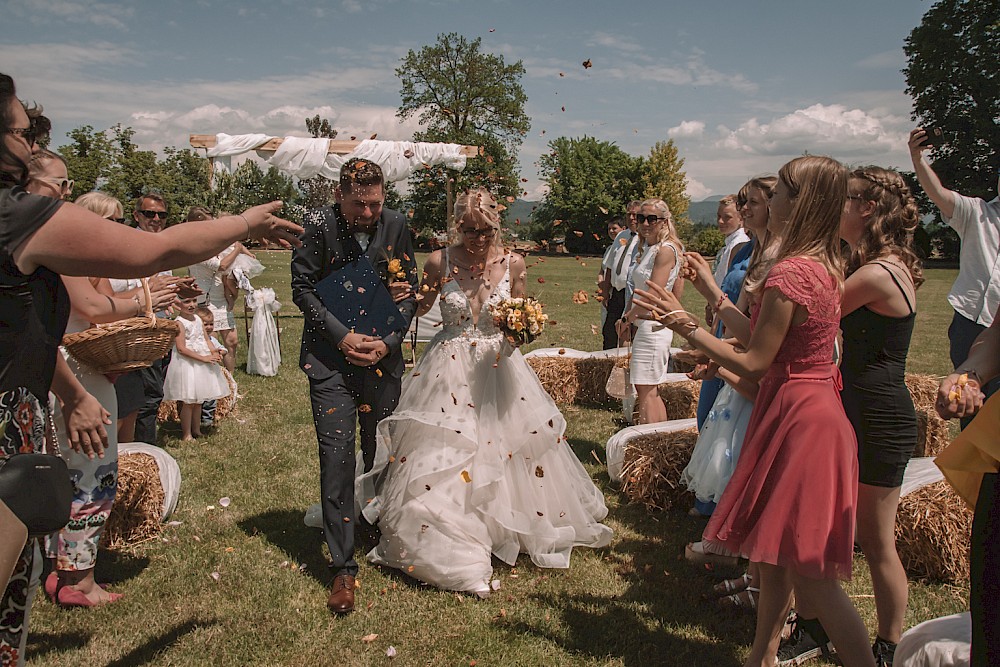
(808, 641)
(884, 651)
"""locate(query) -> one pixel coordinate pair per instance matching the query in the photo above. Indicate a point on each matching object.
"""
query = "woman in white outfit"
(660, 259)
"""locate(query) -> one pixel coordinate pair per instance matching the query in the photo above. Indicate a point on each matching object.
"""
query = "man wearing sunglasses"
(151, 213)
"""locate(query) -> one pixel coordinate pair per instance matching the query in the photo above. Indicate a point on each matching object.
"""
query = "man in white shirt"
(975, 295)
(730, 223)
(617, 265)
(615, 226)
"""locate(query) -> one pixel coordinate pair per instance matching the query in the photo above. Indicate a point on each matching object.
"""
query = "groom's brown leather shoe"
(341, 600)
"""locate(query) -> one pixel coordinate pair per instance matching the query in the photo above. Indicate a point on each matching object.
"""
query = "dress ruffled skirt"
(474, 462)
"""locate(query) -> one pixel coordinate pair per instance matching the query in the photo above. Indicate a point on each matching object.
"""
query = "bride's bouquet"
(521, 320)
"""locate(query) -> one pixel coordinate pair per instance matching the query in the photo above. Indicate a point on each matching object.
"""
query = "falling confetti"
(587, 64)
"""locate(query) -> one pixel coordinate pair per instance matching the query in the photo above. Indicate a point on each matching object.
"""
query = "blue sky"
(741, 88)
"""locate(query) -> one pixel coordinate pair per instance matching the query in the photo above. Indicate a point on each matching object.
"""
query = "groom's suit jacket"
(326, 242)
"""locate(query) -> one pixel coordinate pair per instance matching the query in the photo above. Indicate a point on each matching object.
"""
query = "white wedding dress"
(474, 462)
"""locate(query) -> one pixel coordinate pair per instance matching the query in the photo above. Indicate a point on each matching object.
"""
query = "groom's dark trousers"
(342, 394)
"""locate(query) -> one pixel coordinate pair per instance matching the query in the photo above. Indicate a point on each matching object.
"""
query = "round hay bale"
(933, 530)
(681, 398)
(135, 514)
(651, 473)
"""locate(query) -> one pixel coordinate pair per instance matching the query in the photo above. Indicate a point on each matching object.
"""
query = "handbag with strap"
(617, 384)
(37, 488)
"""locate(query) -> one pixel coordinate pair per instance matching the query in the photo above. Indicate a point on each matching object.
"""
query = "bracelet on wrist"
(722, 300)
(248, 228)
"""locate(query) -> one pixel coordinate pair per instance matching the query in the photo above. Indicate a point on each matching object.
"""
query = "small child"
(208, 319)
(194, 375)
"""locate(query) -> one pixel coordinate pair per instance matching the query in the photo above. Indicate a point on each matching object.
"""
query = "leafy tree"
(665, 179)
(249, 185)
(318, 191)
(462, 95)
(590, 182)
(953, 75)
(89, 156)
(707, 241)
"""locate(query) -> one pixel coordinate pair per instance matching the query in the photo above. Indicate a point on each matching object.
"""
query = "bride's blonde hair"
(476, 206)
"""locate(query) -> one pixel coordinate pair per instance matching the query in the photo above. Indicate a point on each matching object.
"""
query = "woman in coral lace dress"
(789, 506)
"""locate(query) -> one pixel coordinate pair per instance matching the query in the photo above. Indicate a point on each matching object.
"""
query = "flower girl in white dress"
(474, 463)
(194, 375)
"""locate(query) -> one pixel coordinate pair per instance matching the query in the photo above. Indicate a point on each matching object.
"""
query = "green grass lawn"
(636, 602)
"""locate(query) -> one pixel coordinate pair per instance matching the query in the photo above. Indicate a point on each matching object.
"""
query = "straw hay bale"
(933, 528)
(573, 380)
(681, 398)
(135, 514)
(651, 473)
(168, 411)
(558, 377)
(933, 433)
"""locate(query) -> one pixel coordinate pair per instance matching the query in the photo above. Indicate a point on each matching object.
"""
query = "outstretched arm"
(77, 242)
(942, 197)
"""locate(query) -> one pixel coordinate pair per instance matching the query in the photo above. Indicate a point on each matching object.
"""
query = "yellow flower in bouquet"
(521, 320)
(395, 269)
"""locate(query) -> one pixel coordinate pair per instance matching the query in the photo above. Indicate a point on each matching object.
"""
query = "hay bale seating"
(138, 508)
(574, 377)
(651, 473)
(933, 530)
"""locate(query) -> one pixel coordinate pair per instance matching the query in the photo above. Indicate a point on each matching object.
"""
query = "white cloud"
(687, 128)
(697, 190)
(351, 6)
(819, 128)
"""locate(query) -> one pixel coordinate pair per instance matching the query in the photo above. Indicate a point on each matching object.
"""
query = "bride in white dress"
(474, 461)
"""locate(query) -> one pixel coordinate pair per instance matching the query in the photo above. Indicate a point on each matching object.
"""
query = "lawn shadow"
(302, 544)
(145, 653)
(42, 643)
(118, 566)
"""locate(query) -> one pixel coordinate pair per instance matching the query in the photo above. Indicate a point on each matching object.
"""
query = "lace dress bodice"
(457, 318)
(806, 282)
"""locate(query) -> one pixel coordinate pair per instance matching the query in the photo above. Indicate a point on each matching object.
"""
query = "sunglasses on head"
(29, 134)
(64, 184)
(651, 219)
(162, 215)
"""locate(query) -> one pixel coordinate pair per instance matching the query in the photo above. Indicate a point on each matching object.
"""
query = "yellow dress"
(973, 453)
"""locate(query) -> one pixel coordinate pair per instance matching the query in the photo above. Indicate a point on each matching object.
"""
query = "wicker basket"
(125, 345)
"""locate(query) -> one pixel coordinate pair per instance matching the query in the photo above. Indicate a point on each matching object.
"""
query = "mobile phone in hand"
(933, 136)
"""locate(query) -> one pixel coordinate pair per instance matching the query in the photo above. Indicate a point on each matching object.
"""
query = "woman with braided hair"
(877, 317)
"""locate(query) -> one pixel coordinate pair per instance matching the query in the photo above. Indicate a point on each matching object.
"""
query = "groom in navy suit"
(352, 377)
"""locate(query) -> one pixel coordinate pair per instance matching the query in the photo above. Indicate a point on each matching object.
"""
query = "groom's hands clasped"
(362, 350)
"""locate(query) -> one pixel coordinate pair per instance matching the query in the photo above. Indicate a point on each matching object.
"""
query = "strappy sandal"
(745, 600)
(731, 586)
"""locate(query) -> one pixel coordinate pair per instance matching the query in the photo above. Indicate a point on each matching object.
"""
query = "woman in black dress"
(877, 316)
